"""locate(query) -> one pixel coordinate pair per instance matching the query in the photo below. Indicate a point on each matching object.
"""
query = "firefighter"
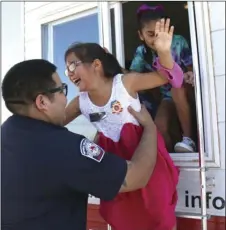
(47, 171)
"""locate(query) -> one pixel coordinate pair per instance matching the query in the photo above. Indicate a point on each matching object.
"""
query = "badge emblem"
(116, 107)
(91, 150)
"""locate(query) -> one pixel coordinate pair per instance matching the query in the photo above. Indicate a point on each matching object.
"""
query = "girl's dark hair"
(88, 52)
(146, 13)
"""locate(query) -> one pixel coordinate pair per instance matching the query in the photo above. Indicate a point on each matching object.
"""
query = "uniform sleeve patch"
(91, 150)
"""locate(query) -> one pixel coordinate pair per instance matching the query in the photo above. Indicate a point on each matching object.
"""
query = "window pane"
(84, 29)
(80, 30)
(45, 43)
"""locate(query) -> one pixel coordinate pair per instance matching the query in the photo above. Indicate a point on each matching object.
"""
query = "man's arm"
(143, 161)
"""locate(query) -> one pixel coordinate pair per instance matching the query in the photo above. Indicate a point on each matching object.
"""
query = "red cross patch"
(91, 150)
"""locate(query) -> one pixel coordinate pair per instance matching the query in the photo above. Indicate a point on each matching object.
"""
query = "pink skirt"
(150, 208)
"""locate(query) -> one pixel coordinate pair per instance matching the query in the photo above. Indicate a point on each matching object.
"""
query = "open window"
(191, 21)
(57, 36)
(113, 25)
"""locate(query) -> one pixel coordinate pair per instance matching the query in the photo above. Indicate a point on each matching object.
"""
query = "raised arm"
(72, 110)
(163, 41)
(168, 71)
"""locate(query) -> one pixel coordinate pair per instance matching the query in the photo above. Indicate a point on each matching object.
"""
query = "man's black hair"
(24, 81)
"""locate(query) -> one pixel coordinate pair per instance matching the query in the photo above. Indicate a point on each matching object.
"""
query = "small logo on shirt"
(116, 107)
(91, 150)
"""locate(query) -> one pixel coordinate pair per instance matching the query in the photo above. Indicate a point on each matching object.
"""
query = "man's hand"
(164, 36)
(143, 117)
(189, 78)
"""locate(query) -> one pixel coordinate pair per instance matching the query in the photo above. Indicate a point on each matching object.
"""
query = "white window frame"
(105, 31)
(119, 36)
(202, 53)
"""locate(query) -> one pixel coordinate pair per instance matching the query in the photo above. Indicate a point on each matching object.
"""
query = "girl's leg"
(180, 99)
(183, 109)
(164, 115)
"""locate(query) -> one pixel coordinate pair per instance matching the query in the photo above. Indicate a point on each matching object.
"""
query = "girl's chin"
(80, 89)
(152, 47)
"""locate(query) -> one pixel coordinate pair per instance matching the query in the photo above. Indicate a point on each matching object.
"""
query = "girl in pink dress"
(105, 94)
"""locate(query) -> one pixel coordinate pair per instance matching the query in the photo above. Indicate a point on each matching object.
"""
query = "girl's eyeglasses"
(72, 67)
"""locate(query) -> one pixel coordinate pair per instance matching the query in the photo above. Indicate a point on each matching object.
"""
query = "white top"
(115, 109)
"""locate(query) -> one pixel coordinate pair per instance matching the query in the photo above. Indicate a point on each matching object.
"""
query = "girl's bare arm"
(72, 110)
(135, 82)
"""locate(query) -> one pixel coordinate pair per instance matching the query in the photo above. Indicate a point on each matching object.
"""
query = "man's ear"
(42, 102)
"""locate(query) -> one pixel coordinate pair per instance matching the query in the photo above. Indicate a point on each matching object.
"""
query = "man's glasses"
(61, 89)
(72, 67)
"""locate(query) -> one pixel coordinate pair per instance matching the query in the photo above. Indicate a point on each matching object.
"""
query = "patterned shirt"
(181, 54)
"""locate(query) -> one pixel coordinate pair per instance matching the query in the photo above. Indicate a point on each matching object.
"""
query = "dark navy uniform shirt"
(47, 174)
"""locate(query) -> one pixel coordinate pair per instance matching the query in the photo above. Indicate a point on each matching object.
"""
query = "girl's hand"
(164, 36)
(189, 78)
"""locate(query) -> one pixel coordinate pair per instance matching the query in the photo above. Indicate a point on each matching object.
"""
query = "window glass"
(84, 29)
